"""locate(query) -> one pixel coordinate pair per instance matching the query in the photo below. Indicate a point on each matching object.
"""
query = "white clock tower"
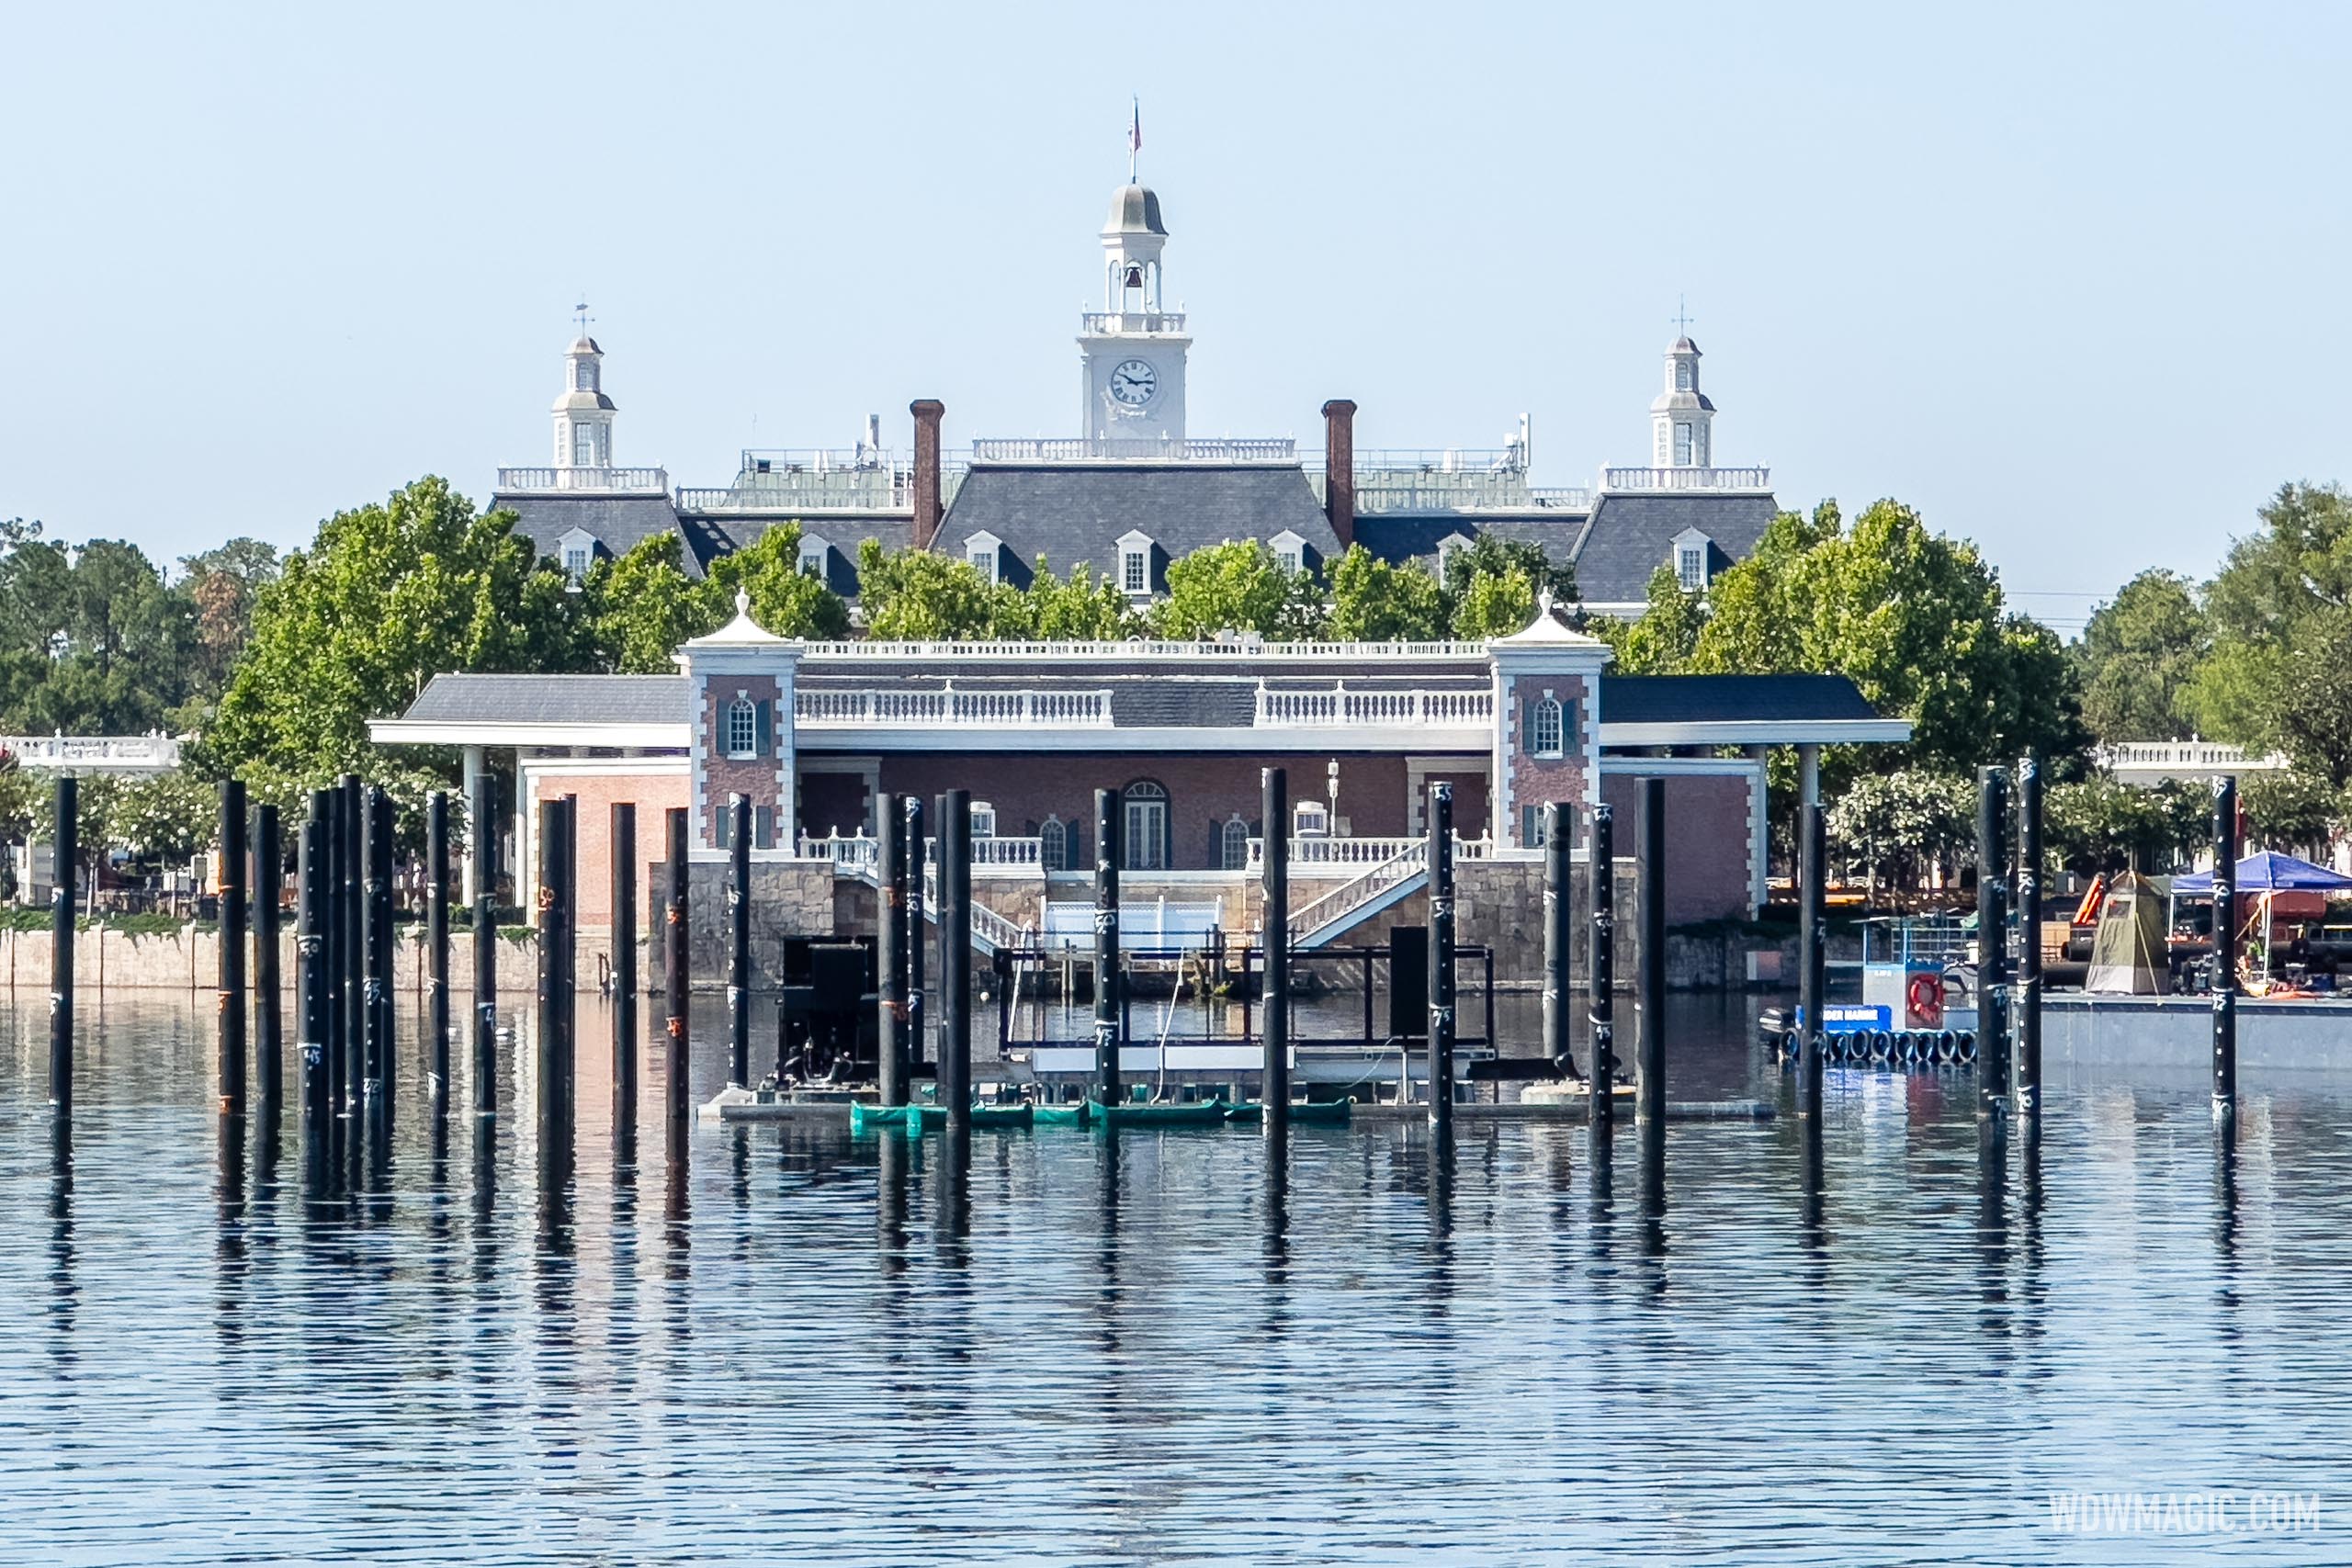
(1133, 350)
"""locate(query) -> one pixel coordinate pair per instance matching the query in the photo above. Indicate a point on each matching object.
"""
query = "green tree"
(1916, 620)
(2280, 612)
(1899, 827)
(785, 599)
(1237, 586)
(387, 597)
(164, 817)
(922, 595)
(1374, 602)
(2098, 824)
(1662, 640)
(1494, 603)
(640, 605)
(2137, 658)
(222, 585)
(2291, 810)
(1080, 607)
(91, 639)
(1491, 556)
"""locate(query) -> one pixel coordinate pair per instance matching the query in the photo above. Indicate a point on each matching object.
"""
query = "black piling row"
(230, 1000)
(312, 991)
(376, 960)
(1440, 956)
(677, 1094)
(1273, 868)
(480, 813)
(552, 1056)
(1813, 952)
(2225, 946)
(889, 961)
(1107, 975)
(912, 869)
(1601, 884)
(64, 860)
(326, 810)
(437, 953)
(2029, 909)
(1559, 909)
(350, 839)
(268, 865)
(739, 940)
(623, 839)
(1649, 957)
(1992, 946)
(955, 960)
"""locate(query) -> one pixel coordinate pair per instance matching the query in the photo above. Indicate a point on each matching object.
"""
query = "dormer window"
(984, 553)
(1690, 565)
(575, 564)
(814, 553)
(577, 550)
(743, 726)
(1134, 563)
(1290, 551)
(1447, 548)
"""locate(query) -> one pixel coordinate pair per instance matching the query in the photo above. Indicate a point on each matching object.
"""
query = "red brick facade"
(724, 777)
(1708, 839)
(1540, 781)
(653, 794)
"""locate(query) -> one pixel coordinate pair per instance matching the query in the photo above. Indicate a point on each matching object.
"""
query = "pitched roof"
(1070, 513)
(620, 522)
(1702, 699)
(552, 699)
(1631, 537)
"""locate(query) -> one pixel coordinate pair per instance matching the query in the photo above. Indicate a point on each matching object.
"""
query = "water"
(1154, 1350)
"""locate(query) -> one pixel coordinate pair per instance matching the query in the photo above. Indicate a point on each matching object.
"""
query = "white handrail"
(1339, 706)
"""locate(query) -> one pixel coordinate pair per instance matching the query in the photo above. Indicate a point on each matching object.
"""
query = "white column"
(474, 830)
(1809, 773)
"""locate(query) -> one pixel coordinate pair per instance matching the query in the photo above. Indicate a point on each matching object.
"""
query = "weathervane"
(581, 310)
(1683, 317)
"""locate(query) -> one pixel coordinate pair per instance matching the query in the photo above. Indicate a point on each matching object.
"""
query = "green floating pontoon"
(1302, 1112)
(1073, 1114)
(1200, 1113)
(932, 1117)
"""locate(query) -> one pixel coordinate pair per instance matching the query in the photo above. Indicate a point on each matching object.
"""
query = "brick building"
(816, 734)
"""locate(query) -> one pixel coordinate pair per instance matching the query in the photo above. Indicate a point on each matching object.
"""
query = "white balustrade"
(1342, 709)
(870, 707)
(1307, 854)
(1686, 479)
(524, 480)
(96, 753)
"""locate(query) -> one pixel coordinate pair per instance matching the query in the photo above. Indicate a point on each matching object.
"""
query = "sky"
(2068, 279)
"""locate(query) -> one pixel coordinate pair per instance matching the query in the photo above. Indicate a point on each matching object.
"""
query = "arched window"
(1147, 827)
(742, 727)
(1236, 839)
(1053, 844)
(1547, 731)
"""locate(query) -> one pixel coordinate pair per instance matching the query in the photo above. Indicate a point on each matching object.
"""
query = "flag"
(1135, 130)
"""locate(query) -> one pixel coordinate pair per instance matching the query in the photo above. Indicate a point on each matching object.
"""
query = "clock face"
(1132, 382)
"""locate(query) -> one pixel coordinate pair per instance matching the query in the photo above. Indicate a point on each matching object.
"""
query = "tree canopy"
(2137, 658)
(2279, 675)
(387, 597)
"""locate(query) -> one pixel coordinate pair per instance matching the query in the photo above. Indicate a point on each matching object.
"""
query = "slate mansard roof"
(1629, 536)
(1068, 513)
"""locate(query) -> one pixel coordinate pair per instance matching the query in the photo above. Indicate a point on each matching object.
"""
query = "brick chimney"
(1339, 468)
(928, 412)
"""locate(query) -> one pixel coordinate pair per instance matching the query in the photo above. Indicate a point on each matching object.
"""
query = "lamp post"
(1331, 775)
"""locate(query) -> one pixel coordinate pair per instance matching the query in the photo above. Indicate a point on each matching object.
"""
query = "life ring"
(1925, 1000)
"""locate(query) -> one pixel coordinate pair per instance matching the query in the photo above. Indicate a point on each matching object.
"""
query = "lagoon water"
(1154, 1350)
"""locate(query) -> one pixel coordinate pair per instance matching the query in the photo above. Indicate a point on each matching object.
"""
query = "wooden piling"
(956, 962)
(623, 838)
(313, 998)
(2028, 911)
(1813, 952)
(2225, 946)
(1992, 945)
(267, 878)
(1600, 893)
(676, 1095)
(481, 835)
(1273, 886)
(1441, 955)
(739, 940)
(1559, 853)
(889, 947)
(350, 950)
(911, 868)
(436, 954)
(65, 857)
(1108, 974)
(229, 880)
(1649, 955)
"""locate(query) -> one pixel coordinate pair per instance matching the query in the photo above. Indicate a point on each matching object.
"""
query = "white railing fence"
(1686, 479)
(1308, 854)
(859, 855)
(869, 707)
(1350, 896)
(1158, 922)
(98, 753)
(649, 479)
(1342, 709)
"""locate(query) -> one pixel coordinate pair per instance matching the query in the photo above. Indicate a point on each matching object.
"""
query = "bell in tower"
(1135, 277)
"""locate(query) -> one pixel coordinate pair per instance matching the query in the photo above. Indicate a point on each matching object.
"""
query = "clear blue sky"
(2071, 280)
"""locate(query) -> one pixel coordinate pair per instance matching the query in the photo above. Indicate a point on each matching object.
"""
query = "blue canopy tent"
(2261, 877)
(2270, 871)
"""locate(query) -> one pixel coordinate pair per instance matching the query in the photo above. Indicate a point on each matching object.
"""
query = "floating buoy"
(1966, 1050)
(1881, 1044)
